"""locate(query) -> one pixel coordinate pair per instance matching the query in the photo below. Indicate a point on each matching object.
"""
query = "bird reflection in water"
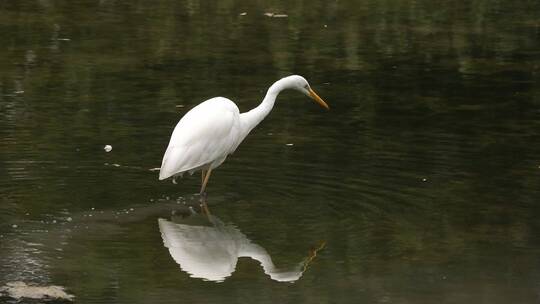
(209, 249)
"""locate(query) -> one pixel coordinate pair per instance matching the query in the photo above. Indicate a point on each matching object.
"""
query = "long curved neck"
(252, 118)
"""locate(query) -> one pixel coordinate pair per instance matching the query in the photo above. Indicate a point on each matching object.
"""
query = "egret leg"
(204, 206)
(203, 173)
(205, 180)
(206, 177)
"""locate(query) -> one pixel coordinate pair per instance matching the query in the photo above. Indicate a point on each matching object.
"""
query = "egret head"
(299, 83)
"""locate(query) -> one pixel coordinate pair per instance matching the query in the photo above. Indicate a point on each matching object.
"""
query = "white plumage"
(202, 138)
(212, 130)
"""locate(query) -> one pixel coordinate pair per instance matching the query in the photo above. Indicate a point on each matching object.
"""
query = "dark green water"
(423, 179)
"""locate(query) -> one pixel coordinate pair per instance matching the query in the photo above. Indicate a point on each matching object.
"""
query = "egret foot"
(203, 196)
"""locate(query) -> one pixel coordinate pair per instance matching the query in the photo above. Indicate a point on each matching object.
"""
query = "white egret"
(212, 130)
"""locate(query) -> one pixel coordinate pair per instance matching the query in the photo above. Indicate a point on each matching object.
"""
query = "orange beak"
(318, 99)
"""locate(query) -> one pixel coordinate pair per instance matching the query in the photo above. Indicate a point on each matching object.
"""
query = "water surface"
(422, 179)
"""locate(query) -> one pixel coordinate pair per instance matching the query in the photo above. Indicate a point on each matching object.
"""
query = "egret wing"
(207, 133)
